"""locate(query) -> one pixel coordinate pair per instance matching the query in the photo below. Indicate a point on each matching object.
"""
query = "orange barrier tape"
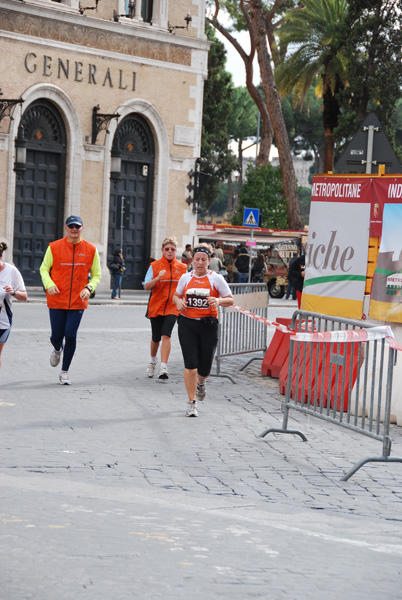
(248, 313)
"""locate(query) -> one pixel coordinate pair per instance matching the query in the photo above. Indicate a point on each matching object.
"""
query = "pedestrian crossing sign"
(251, 217)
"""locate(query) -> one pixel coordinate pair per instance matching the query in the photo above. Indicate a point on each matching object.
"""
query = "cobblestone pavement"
(109, 492)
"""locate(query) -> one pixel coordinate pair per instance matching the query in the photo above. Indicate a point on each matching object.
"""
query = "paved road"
(109, 492)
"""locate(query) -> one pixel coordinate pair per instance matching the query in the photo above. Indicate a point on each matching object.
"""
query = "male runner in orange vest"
(65, 272)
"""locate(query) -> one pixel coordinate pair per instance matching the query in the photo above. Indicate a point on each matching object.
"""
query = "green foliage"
(396, 123)
(313, 31)
(372, 38)
(263, 189)
(304, 195)
(220, 206)
(304, 125)
(242, 122)
(218, 160)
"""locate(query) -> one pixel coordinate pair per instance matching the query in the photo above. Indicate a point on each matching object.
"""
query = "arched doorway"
(130, 208)
(39, 197)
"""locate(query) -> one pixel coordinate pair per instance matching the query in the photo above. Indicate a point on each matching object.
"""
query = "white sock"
(153, 360)
(163, 365)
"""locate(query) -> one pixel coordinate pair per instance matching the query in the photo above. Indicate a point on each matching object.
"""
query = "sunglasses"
(74, 226)
(170, 249)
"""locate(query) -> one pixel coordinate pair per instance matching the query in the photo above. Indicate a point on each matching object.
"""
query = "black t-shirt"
(296, 267)
(242, 263)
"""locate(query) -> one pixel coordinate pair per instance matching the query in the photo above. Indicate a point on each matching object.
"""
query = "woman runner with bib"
(197, 297)
(11, 286)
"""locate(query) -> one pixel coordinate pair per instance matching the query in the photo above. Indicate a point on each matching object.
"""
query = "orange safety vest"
(70, 270)
(160, 301)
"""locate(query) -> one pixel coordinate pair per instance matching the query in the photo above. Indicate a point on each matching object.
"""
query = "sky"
(235, 66)
(234, 63)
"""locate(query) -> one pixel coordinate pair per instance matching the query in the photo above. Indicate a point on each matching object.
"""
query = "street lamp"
(20, 164)
(115, 166)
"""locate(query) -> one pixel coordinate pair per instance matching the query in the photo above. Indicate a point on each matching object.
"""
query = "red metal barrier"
(312, 365)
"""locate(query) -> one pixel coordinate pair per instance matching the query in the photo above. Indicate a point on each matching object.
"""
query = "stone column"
(137, 14)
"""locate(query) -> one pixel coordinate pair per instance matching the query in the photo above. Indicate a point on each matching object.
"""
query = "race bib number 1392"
(197, 302)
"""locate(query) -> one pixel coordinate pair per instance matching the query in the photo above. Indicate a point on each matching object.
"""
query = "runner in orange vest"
(198, 295)
(65, 270)
(162, 278)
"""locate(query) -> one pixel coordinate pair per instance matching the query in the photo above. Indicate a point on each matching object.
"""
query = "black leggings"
(198, 340)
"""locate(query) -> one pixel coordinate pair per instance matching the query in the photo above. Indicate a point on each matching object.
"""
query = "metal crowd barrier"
(348, 384)
(237, 333)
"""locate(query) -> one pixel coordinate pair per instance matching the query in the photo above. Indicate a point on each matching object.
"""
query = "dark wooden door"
(130, 208)
(39, 197)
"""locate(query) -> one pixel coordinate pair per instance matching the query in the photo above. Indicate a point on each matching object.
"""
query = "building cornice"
(132, 39)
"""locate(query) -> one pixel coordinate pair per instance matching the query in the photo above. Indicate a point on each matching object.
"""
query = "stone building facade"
(101, 84)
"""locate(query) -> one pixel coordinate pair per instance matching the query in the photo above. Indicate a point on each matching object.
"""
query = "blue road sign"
(251, 217)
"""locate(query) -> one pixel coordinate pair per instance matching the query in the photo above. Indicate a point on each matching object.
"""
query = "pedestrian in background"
(219, 254)
(162, 278)
(292, 278)
(198, 295)
(242, 264)
(215, 264)
(258, 269)
(11, 286)
(67, 265)
(187, 255)
(297, 269)
(117, 268)
(235, 272)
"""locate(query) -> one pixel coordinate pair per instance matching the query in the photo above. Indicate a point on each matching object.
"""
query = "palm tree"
(313, 35)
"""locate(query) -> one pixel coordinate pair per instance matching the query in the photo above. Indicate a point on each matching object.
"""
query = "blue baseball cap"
(72, 220)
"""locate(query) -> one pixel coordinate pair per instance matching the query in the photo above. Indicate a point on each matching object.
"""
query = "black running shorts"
(198, 340)
(162, 325)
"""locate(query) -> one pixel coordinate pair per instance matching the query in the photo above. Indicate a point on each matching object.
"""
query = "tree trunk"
(240, 162)
(275, 114)
(267, 136)
(330, 114)
(265, 147)
(329, 150)
(230, 193)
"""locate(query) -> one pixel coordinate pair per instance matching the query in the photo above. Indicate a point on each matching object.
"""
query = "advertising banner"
(336, 258)
(386, 292)
(376, 191)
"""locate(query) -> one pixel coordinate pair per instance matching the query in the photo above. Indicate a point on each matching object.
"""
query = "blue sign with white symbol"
(251, 217)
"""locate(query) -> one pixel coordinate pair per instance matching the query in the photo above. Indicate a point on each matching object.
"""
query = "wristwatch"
(89, 287)
(15, 291)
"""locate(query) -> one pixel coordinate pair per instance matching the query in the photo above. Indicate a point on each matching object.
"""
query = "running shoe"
(151, 369)
(55, 357)
(192, 410)
(64, 378)
(201, 391)
(163, 373)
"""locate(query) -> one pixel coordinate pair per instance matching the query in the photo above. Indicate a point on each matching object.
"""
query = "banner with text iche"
(336, 259)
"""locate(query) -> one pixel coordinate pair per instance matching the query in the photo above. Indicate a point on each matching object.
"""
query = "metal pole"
(122, 199)
(249, 261)
(370, 142)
